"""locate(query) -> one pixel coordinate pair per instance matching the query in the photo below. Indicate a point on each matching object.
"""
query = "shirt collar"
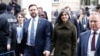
(97, 32)
(20, 25)
(35, 19)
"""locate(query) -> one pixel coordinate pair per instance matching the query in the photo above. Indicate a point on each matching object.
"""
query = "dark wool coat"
(64, 39)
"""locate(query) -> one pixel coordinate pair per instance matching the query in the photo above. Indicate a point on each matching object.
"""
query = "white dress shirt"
(84, 25)
(29, 29)
(89, 52)
(19, 33)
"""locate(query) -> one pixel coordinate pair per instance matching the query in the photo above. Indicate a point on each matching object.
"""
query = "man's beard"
(34, 16)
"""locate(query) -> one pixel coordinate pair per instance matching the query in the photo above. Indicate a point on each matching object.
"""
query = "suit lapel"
(38, 25)
(86, 40)
(16, 27)
(27, 25)
(98, 42)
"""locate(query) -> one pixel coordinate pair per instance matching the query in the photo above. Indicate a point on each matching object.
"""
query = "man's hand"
(46, 53)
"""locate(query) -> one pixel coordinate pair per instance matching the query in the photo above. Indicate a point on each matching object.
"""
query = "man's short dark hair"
(3, 6)
(32, 5)
(98, 7)
(40, 8)
(66, 7)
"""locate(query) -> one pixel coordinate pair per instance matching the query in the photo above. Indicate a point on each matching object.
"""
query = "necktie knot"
(94, 32)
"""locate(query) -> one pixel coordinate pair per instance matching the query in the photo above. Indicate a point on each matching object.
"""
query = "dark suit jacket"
(83, 44)
(4, 32)
(13, 37)
(14, 45)
(42, 39)
(82, 27)
(74, 21)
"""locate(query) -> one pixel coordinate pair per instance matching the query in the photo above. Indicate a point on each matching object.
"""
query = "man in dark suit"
(4, 28)
(36, 38)
(84, 22)
(89, 42)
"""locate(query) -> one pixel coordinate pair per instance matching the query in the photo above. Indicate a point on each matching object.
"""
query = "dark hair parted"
(32, 5)
(20, 14)
(59, 17)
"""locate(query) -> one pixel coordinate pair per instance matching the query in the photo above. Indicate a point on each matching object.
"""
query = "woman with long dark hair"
(64, 36)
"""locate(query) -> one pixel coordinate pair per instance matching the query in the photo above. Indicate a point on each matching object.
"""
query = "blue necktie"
(83, 20)
(32, 34)
(84, 23)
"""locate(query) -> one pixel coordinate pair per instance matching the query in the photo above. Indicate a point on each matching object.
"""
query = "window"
(89, 2)
(55, 1)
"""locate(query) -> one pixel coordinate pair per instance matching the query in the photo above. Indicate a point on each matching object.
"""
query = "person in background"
(36, 34)
(87, 11)
(98, 8)
(17, 34)
(84, 22)
(11, 18)
(24, 12)
(16, 8)
(0, 1)
(12, 21)
(40, 9)
(56, 13)
(68, 9)
(80, 15)
(64, 37)
(45, 16)
(4, 28)
(73, 19)
(89, 41)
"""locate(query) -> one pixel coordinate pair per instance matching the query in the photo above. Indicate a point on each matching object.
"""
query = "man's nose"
(92, 23)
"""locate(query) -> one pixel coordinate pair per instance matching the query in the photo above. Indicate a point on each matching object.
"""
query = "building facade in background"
(52, 5)
(59, 4)
(74, 4)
